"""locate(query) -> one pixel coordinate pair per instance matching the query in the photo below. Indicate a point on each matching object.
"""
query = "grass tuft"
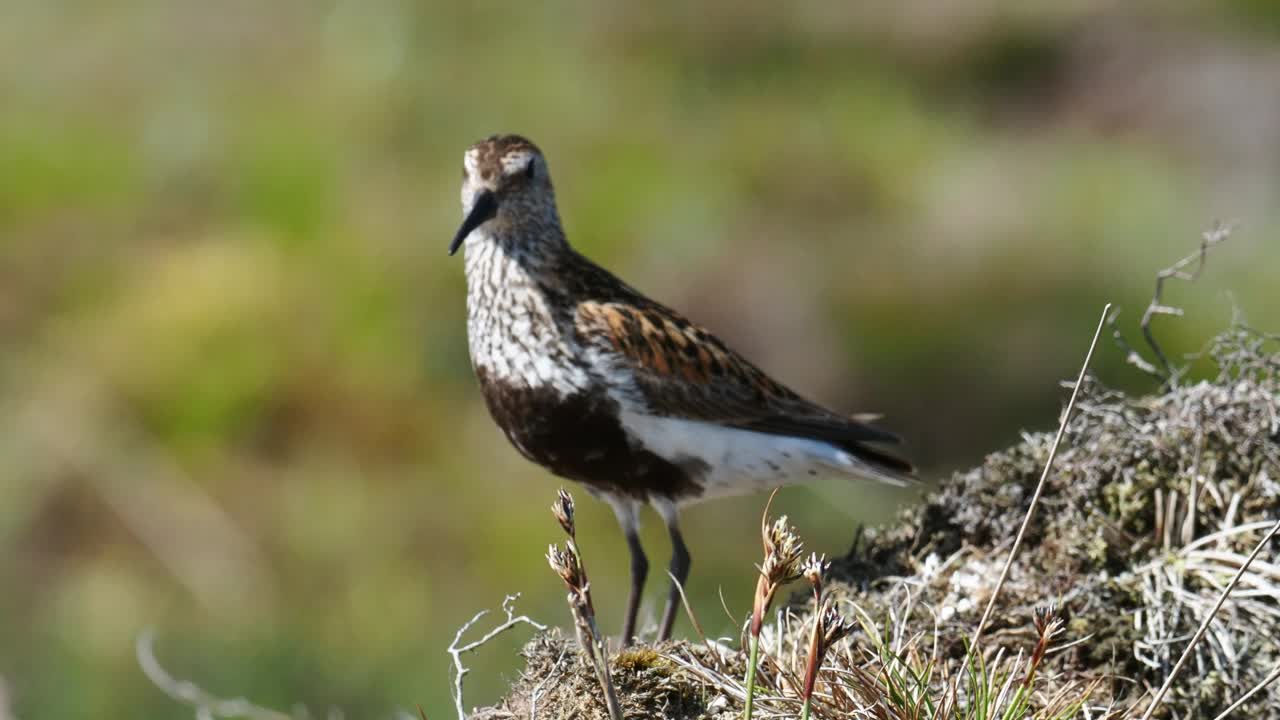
(1152, 508)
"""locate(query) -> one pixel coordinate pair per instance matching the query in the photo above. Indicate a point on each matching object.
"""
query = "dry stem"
(1166, 372)
(1035, 498)
(571, 568)
(455, 651)
(1253, 691)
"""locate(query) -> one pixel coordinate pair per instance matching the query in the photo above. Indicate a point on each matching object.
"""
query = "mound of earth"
(1152, 506)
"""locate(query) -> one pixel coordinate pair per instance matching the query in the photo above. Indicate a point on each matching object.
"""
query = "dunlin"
(601, 385)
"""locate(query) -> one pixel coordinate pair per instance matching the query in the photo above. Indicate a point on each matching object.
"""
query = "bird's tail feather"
(871, 463)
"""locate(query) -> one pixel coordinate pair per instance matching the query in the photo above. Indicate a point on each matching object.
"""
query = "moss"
(1108, 545)
(1104, 530)
(640, 659)
(559, 680)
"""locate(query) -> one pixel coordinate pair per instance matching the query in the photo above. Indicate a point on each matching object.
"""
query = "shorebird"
(603, 386)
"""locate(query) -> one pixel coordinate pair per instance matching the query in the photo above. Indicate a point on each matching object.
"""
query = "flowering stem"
(601, 662)
(804, 710)
(754, 643)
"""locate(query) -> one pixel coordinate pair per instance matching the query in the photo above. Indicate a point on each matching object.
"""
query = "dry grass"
(1152, 508)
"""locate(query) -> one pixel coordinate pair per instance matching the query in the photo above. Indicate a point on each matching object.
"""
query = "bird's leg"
(639, 571)
(679, 573)
(628, 512)
(679, 568)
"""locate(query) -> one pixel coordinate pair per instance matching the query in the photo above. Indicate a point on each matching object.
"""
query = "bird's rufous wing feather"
(682, 370)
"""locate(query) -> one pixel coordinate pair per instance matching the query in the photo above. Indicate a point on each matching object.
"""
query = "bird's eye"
(531, 169)
(464, 172)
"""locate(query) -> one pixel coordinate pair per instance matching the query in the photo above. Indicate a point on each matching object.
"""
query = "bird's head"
(505, 180)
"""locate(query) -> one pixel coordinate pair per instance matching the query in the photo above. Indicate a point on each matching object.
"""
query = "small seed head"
(814, 569)
(834, 625)
(828, 628)
(567, 566)
(782, 549)
(1047, 621)
(562, 508)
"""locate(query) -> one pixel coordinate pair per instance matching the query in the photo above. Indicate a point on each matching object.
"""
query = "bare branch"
(455, 651)
(1132, 356)
(1162, 369)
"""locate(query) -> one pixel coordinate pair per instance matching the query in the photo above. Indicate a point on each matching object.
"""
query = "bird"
(603, 386)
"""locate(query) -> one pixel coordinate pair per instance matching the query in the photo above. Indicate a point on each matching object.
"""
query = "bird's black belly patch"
(579, 437)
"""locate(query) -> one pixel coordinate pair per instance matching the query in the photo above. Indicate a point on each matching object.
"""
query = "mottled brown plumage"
(604, 386)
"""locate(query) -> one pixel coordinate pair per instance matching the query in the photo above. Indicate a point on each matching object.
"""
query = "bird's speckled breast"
(513, 331)
(539, 392)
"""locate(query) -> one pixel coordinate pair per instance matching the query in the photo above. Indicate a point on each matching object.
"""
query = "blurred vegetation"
(235, 400)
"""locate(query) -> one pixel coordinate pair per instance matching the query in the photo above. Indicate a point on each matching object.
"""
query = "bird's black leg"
(628, 511)
(639, 571)
(680, 562)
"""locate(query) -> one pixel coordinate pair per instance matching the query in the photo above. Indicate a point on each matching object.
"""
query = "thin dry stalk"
(569, 565)
(1165, 372)
(688, 610)
(1204, 624)
(1035, 498)
(1253, 691)
(1157, 306)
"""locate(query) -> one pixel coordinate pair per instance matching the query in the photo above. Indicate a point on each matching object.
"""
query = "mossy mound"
(558, 682)
(1152, 505)
(1116, 542)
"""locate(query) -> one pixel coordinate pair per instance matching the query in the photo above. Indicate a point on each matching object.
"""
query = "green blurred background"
(235, 400)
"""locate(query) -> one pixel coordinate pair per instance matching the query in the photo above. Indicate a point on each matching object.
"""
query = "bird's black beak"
(484, 208)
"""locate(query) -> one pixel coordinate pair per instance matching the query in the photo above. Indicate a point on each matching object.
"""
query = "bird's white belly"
(739, 461)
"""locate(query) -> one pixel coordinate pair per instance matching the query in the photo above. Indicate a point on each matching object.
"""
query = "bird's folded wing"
(682, 370)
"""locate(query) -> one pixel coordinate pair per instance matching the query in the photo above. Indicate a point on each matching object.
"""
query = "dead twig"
(455, 651)
(1132, 356)
(1162, 370)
